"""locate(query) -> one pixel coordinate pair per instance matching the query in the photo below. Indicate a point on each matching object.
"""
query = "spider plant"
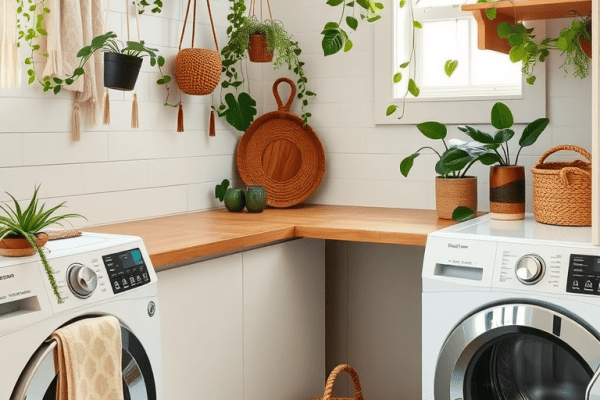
(26, 224)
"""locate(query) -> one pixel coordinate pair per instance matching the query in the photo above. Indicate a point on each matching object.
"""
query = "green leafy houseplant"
(156, 6)
(27, 223)
(236, 105)
(106, 43)
(456, 160)
(502, 120)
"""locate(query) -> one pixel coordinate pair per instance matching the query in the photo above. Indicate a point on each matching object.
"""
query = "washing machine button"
(530, 269)
(82, 280)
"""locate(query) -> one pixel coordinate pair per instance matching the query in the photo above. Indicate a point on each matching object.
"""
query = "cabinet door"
(284, 321)
(201, 329)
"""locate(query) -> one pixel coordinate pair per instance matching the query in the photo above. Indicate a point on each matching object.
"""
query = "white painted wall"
(116, 173)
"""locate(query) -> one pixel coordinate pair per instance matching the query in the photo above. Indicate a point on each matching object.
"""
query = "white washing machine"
(511, 311)
(97, 275)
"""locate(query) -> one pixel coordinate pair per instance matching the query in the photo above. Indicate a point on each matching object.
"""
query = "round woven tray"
(281, 153)
(562, 191)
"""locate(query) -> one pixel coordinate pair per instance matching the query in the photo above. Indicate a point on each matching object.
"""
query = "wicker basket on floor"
(562, 191)
(331, 381)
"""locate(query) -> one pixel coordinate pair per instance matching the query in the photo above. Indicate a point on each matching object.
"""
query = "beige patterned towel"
(88, 357)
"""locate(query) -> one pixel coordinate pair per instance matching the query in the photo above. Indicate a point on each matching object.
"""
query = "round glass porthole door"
(38, 380)
(518, 352)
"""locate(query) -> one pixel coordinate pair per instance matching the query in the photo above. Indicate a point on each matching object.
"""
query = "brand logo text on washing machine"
(3, 277)
(458, 246)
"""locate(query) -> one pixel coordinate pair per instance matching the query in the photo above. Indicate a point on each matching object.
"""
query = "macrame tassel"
(211, 126)
(75, 124)
(106, 116)
(135, 120)
(180, 119)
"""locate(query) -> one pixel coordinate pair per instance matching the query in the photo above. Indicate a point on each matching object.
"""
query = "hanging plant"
(30, 15)
(236, 105)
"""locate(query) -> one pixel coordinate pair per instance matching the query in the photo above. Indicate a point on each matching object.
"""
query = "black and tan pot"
(454, 192)
(258, 51)
(507, 192)
(121, 71)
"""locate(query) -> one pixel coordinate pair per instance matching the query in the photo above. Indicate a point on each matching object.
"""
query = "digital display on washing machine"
(584, 274)
(126, 270)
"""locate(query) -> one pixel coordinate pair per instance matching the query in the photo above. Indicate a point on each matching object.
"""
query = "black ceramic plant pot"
(121, 71)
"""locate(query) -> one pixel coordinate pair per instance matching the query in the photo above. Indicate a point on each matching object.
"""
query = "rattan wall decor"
(281, 153)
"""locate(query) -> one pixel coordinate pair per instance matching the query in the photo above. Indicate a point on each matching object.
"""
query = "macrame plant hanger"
(252, 9)
(135, 120)
(180, 125)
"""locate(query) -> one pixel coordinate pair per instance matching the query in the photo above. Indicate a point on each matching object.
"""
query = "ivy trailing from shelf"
(236, 105)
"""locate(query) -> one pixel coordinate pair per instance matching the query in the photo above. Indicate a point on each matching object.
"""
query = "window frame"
(526, 108)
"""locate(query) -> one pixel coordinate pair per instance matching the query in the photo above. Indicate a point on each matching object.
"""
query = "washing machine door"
(39, 378)
(519, 352)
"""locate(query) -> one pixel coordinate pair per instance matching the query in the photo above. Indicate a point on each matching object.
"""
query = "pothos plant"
(524, 47)
(27, 223)
(336, 38)
(236, 105)
(156, 6)
(30, 16)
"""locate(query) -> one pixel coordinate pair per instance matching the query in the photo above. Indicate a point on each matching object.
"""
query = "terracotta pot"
(258, 50)
(454, 192)
(586, 45)
(19, 247)
(507, 192)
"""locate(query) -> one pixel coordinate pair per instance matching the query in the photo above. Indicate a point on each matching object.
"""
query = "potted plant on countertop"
(453, 187)
(21, 232)
(236, 105)
(507, 180)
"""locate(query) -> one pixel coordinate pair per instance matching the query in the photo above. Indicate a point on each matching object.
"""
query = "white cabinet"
(246, 326)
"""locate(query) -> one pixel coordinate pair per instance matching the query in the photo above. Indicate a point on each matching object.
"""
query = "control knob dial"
(82, 280)
(530, 269)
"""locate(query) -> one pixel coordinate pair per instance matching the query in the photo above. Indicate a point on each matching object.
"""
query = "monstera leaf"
(240, 112)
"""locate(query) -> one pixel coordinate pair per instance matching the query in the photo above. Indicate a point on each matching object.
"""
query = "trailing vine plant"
(335, 38)
(156, 6)
(236, 105)
(30, 15)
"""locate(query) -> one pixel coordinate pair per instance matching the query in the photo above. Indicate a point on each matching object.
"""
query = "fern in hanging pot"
(21, 232)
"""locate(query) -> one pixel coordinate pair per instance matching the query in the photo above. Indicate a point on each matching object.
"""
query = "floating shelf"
(526, 10)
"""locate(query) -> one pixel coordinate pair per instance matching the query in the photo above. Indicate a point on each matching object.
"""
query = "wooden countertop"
(180, 238)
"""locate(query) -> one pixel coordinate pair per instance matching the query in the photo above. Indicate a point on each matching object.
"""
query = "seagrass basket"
(331, 381)
(562, 191)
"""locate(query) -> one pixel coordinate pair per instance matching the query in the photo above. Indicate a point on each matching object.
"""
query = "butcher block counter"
(177, 239)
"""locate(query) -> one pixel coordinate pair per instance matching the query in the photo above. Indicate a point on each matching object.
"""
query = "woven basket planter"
(455, 192)
(331, 381)
(562, 191)
(258, 51)
(20, 247)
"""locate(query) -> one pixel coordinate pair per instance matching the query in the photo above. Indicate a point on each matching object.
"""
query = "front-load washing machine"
(97, 275)
(511, 311)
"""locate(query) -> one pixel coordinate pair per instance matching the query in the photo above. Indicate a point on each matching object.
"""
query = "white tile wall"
(114, 168)
(115, 173)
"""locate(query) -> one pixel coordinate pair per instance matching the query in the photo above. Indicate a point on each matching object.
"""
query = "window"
(482, 77)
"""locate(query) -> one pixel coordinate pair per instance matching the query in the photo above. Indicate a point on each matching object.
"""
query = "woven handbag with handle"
(197, 71)
(331, 381)
(562, 191)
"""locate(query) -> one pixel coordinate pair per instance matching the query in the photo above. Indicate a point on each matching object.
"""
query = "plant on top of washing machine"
(21, 231)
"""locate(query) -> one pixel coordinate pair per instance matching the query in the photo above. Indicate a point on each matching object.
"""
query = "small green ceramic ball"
(234, 200)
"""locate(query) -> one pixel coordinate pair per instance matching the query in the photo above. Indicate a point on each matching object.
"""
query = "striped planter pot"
(507, 192)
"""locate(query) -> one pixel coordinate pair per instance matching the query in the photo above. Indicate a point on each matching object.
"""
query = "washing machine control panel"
(584, 274)
(126, 270)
